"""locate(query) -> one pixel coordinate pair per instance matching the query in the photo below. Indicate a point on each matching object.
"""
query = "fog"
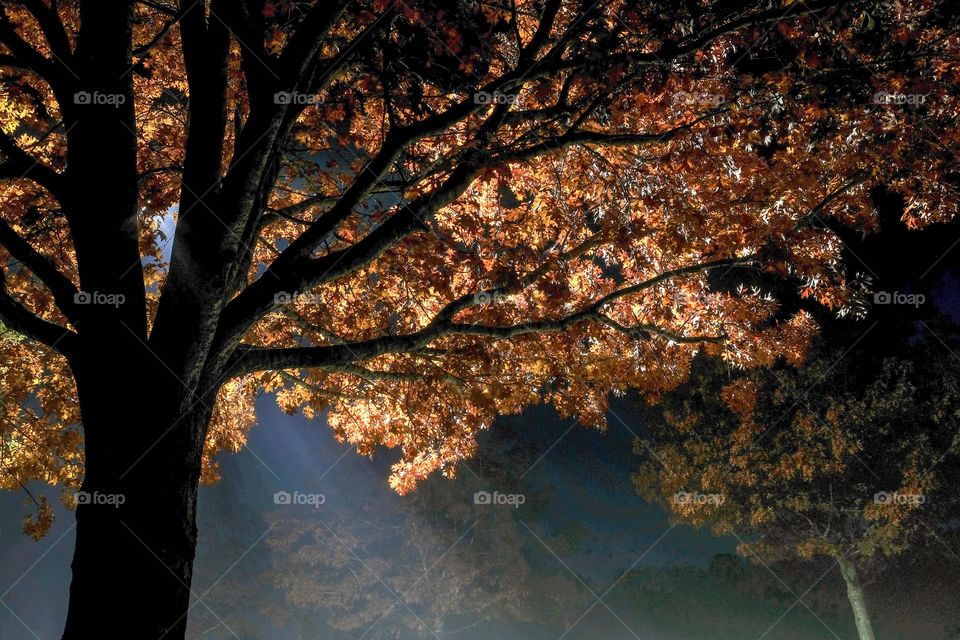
(564, 548)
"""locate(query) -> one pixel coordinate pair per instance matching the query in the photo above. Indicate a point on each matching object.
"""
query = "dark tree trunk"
(136, 524)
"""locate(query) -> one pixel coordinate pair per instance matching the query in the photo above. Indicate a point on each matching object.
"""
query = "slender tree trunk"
(857, 600)
(136, 521)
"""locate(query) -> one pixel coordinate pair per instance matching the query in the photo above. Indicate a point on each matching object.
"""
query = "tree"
(860, 471)
(415, 215)
(439, 564)
(439, 571)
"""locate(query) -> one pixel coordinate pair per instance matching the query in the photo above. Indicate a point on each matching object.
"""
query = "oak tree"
(415, 216)
(837, 459)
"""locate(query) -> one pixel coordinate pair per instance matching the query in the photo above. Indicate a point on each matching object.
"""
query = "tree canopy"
(852, 457)
(864, 468)
(418, 216)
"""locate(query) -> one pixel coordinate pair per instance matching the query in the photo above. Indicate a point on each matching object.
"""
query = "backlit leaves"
(554, 179)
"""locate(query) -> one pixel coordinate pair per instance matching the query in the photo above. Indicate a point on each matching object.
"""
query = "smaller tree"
(844, 457)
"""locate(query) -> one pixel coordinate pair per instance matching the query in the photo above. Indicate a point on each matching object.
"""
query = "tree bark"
(136, 521)
(857, 600)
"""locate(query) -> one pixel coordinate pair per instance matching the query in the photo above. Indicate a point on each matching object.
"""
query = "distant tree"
(843, 457)
(428, 572)
(419, 214)
(437, 565)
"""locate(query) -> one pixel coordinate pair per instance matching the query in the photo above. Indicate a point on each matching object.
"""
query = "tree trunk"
(136, 517)
(857, 601)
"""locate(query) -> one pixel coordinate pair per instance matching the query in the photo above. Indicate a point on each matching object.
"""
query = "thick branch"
(293, 270)
(52, 28)
(303, 273)
(20, 164)
(23, 321)
(400, 137)
(54, 72)
(308, 38)
(19, 47)
(252, 359)
(598, 138)
(42, 266)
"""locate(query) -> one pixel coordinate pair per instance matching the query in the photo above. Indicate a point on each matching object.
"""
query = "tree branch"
(43, 267)
(293, 270)
(252, 359)
(23, 321)
(29, 57)
(302, 273)
(52, 28)
(20, 164)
